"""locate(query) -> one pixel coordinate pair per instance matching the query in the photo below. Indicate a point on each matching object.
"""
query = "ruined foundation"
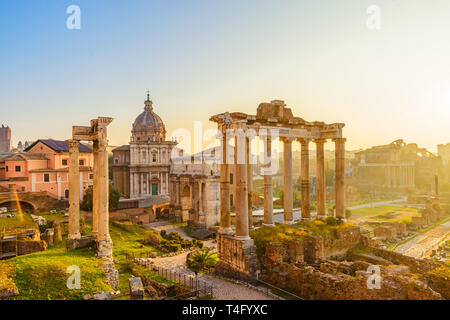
(237, 258)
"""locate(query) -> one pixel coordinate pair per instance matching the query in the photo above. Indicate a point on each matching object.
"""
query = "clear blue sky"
(199, 58)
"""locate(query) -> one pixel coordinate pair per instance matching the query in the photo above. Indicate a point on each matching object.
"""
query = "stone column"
(320, 174)
(306, 213)
(225, 218)
(241, 186)
(131, 184)
(74, 191)
(95, 192)
(388, 177)
(268, 192)
(178, 187)
(287, 195)
(104, 239)
(200, 201)
(249, 182)
(340, 176)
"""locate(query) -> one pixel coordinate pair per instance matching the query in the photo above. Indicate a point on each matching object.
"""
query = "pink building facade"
(44, 166)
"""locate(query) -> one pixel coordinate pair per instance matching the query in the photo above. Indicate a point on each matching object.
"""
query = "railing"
(197, 286)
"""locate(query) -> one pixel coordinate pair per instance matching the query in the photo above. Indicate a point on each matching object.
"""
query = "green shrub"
(201, 260)
(331, 221)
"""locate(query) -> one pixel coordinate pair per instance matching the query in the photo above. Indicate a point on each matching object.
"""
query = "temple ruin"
(97, 133)
(236, 251)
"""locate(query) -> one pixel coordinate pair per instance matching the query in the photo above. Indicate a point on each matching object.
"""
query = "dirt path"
(222, 289)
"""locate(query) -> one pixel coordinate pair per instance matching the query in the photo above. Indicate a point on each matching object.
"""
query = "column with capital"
(320, 175)
(74, 190)
(241, 185)
(287, 193)
(225, 217)
(340, 176)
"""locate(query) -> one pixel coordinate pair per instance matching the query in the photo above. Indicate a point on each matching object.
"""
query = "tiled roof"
(58, 145)
(25, 156)
(122, 148)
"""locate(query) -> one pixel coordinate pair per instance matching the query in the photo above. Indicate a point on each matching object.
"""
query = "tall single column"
(178, 193)
(104, 239)
(306, 213)
(241, 186)
(74, 191)
(340, 176)
(225, 218)
(287, 195)
(267, 172)
(320, 175)
(95, 192)
(249, 182)
(131, 184)
(200, 201)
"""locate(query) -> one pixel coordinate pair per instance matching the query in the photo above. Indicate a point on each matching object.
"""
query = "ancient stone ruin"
(97, 134)
(273, 120)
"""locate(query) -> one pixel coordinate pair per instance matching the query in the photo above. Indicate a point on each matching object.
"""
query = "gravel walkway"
(222, 289)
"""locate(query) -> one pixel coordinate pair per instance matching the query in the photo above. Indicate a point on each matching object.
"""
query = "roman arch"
(236, 251)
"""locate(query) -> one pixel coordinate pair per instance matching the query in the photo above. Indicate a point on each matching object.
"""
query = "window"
(231, 200)
(17, 168)
(46, 177)
(116, 160)
(91, 176)
(6, 168)
(64, 162)
(81, 162)
(154, 157)
(231, 178)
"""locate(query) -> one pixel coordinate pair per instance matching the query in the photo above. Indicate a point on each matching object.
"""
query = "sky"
(199, 58)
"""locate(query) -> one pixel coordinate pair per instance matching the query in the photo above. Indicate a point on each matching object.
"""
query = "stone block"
(136, 288)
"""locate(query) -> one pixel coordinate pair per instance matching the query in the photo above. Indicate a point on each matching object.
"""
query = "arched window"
(66, 194)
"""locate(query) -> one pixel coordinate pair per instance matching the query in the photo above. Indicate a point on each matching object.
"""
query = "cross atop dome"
(148, 103)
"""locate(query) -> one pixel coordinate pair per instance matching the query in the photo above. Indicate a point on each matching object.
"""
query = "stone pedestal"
(136, 288)
(112, 275)
(237, 258)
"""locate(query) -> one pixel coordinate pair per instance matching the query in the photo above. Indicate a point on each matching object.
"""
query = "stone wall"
(345, 240)
(385, 232)
(237, 258)
(313, 284)
(30, 246)
(416, 265)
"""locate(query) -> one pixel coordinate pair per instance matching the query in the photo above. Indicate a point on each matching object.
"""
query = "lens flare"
(15, 199)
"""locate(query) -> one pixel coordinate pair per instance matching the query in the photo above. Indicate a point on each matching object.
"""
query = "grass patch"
(42, 275)
(385, 213)
(16, 224)
(284, 233)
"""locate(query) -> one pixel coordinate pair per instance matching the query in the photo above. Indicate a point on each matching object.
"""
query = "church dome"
(148, 126)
